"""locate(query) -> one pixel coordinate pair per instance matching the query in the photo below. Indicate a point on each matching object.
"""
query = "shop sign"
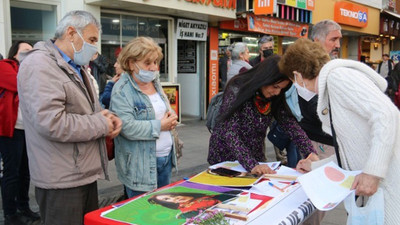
(273, 26)
(238, 25)
(213, 62)
(310, 4)
(291, 3)
(229, 4)
(263, 7)
(395, 56)
(351, 14)
(192, 30)
(302, 4)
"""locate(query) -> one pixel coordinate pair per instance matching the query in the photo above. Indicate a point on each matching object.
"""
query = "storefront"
(360, 25)
(184, 66)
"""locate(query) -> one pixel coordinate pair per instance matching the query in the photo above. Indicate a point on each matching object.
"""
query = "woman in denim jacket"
(144, 151)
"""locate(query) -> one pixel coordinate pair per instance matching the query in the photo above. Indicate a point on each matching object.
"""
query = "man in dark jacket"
(224, 63)
(265, 48)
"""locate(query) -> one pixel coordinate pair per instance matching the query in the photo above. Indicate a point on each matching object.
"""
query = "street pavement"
(195, 136)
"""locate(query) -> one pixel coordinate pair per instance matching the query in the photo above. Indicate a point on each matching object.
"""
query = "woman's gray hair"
(78, 19)
(239, 47)
(321, 29)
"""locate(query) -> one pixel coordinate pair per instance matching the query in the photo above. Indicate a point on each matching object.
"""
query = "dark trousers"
(66, 206)
(15, 181)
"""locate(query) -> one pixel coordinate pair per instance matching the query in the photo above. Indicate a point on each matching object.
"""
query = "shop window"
(119, 29)
(32, 22)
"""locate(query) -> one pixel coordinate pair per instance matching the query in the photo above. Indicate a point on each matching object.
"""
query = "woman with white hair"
(240, 60)
(353, 107)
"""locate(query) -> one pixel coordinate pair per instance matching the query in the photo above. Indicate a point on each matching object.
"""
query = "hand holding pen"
(304, 165)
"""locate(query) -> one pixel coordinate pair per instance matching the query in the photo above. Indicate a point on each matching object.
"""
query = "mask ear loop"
(297, 73)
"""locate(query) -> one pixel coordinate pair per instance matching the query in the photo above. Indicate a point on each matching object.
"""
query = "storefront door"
(191, 77)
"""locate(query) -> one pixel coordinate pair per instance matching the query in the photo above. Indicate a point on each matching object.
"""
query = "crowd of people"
(61, 112)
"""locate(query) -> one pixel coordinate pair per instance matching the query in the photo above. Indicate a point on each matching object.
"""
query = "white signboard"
(191, 30)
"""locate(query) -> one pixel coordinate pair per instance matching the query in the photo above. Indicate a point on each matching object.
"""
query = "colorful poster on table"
(212, 179)
(171, 206)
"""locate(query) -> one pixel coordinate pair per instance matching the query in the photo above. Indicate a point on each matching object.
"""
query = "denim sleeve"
(133, 128)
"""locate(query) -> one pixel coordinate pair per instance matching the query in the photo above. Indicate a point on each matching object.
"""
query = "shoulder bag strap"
(335, 144)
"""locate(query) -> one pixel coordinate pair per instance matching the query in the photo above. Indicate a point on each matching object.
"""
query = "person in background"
(385, 67)
(395, 80)
(225, 63)
(144, 151)
(240, 60)
(361, 115)
(99, 67)
(105, 97)
(265, 48)
(251, 102)
(64, 122)
(15, 181)
(328, 33)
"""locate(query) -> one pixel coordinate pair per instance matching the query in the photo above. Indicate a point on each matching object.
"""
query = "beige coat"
(63, 125)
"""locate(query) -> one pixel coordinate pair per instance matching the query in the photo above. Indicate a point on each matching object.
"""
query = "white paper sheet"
(327, 185)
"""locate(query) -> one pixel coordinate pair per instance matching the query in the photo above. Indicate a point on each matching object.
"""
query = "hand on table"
(262, 169)
(365, 184)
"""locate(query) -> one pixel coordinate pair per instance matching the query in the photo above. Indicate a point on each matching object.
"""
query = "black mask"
(268, 52)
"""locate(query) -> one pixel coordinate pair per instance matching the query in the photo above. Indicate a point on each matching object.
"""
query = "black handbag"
(278, 137)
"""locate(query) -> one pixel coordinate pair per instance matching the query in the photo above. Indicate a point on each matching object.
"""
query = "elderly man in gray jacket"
(64, 122)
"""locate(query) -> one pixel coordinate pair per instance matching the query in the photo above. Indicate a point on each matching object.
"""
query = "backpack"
(213, 110)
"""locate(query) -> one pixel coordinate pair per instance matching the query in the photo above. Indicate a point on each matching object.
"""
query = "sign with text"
(263, 7)
(273, 26)
(192, 30)
(351, 14)
(213, 64)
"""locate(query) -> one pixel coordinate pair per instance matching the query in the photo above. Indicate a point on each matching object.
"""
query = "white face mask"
(83, 56)
(145, 76)
(302, 90)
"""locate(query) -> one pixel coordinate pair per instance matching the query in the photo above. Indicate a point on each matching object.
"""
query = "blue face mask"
(145, 76)
(83, 56)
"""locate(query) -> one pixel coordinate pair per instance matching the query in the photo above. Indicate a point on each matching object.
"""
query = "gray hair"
(238, 48)
(265, 39)
(78, 19)
(321, 29)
